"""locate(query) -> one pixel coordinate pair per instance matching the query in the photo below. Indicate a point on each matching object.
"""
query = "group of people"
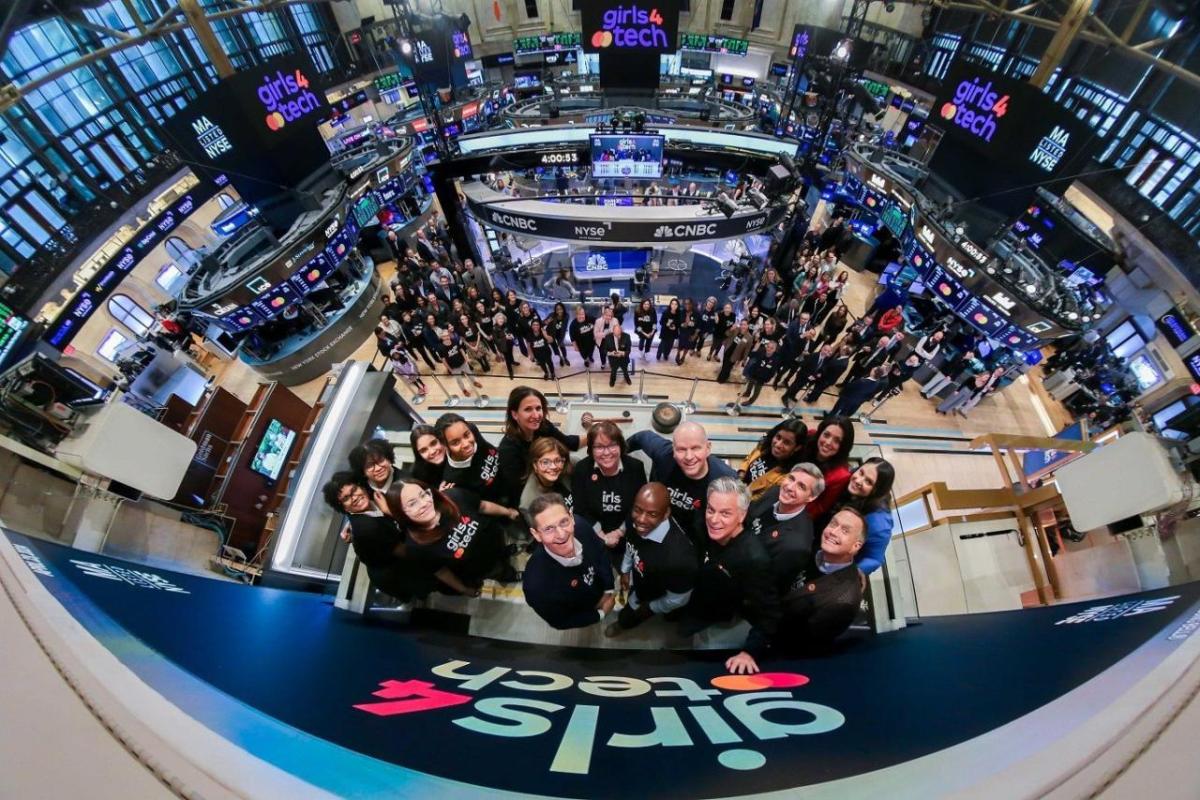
(783, 541)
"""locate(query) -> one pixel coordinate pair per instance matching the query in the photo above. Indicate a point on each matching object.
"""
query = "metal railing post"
(451, 400)
(561, 405)
(640, 397)
(688, 405)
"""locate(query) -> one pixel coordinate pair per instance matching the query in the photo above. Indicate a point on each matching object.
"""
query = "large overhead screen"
(561, 135)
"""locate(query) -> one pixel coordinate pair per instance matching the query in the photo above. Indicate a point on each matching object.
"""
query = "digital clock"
(557, 159)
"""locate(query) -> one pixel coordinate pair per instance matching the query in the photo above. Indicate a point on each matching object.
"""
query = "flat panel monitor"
(633, 155)
(273, 450)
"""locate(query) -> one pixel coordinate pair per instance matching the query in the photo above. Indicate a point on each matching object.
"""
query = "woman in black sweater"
(604, 484)
(581, 330)
(645, 321)
(524, 421)
(540, 345)
(556, 326)
(668, 329)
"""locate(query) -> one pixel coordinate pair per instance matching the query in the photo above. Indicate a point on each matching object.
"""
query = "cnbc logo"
(975, 108)
(286, 98)
(631, 26)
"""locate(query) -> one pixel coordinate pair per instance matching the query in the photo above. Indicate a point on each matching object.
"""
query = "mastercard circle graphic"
(275, 121)
(313, 274)
(762, 680)
(871, 202)
(602, 38)
(949, 110)
(918, 260)
(276, 302)
(945, 289)
(341, 248)
(244, 320)
(1014, 340)
(459, 553)
(981, 318)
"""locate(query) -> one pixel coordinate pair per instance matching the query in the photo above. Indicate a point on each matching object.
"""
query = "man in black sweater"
(824, 601)
(660, 564)
(568, 581)
(780, 521)
(735, 577)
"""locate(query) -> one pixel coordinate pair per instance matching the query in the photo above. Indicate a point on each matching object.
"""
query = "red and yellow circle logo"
(275, 121)
(759, 681)
(602, 38)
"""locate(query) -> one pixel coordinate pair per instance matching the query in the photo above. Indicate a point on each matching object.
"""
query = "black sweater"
(658, 568)
(820, 608)
(566, 597)
(603, 499)
(481, 475)
(789, 543)
(736, 578)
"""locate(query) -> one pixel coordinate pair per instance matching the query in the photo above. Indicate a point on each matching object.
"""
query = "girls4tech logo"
(286, 98)
(731, 710)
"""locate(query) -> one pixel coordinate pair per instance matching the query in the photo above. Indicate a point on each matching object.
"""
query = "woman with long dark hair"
(668, 329)
(646, 322)
(829, 448)
(429, 455)
(775, 454)
(687, 331)
(377, 539)
(524, 421)
(556, 326)
(446, 534)
(869, 492)
(540, 345)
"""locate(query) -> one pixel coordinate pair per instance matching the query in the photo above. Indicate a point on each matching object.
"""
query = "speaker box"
(777, 179)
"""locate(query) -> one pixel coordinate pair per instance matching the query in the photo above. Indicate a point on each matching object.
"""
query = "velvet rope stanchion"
(689, 405)
(561, 405)
(590, 396)
(451, 400)
(640, 397)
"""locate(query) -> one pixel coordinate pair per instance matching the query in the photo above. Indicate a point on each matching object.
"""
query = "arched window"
(177, 248)
(125, 310)
(225, 201)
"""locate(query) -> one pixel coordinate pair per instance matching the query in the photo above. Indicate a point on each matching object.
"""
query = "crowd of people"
(784, 540)
(788, 328)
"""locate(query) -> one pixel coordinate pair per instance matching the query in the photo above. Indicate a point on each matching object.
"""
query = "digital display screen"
(242, 320)
(275, 301)
(461, 42)
(271, 455)
(12, 325)
(627, 155)
(713, 44)
(527, 81)
(312, 274)
(946, 288)
(547, 41)
(983, 316)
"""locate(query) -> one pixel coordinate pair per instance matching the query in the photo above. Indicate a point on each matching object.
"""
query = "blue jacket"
(879, 534)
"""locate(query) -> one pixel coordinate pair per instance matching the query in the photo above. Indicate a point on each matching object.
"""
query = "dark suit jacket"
(609, 344)
(831, 371)
(819, 608)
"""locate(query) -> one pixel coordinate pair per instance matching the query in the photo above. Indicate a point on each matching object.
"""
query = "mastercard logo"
(1014, 340)
(763, 680)
(918, 260)
(459, 553)
(313, 274)
(244, 320)
(945, 289)
(275, 121)
(981, 318)
(602, 38)
(276, 302)
(949, 110)
(341, 248)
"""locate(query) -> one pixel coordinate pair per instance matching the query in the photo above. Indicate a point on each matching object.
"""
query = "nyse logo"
(510, 221)
(331, 228)
(953, 265)
(210, 137)
(755, 223)
(689, 230)
(1051, 149)
(592, 231)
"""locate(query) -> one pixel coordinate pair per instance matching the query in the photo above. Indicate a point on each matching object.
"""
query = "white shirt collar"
(658, 534)
(786, 517)
(458, 464)
(573, 561)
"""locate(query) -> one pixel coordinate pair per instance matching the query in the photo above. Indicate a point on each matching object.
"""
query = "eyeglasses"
(566, 525)
(550, 463)
(356, 493)
(606, 448)
(417, 502)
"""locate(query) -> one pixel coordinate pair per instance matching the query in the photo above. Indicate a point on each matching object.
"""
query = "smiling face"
(460, 441)
(691, 447)
(829, 442)
(549, 467)
(418, 505)
(723, 516)
(580, 314)
(377, 469)
(430, 448)
(842, 537)
(555, 529)
(651, 507)
(354, 499)
(606, 453)
(796, 490)
(783, 445)
(862, 482)
(529, 414)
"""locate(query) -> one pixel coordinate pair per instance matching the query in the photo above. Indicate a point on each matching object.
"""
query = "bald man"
(685, 465)
(659, 568)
